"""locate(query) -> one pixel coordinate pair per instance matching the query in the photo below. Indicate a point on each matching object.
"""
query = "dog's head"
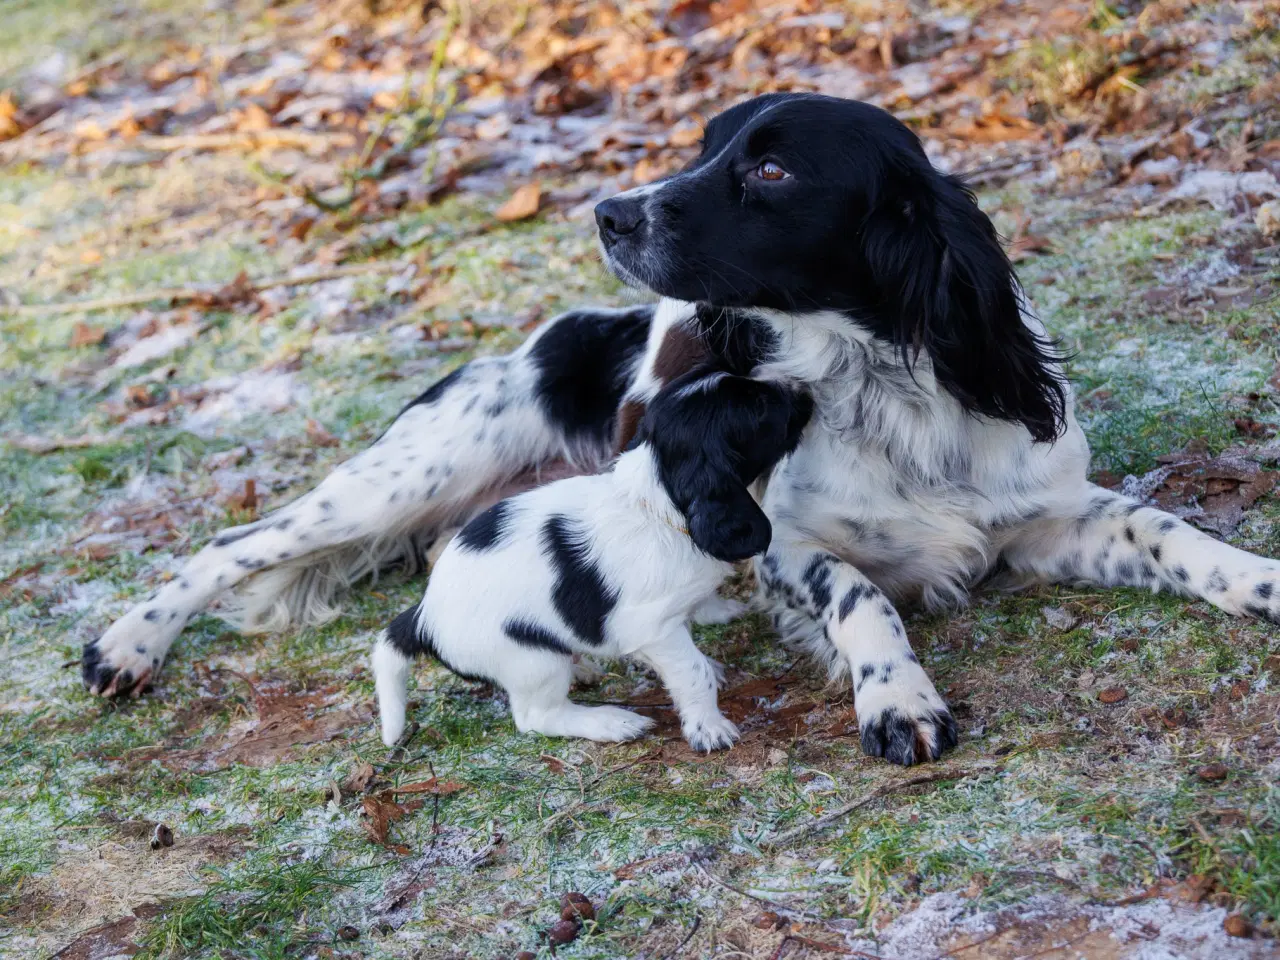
(804, 203)
(712, 436)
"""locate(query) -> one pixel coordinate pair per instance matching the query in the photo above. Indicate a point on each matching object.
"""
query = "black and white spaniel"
(612, 565)
(811, 242)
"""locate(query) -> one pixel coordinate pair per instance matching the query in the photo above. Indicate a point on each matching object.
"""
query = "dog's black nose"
(619, 216)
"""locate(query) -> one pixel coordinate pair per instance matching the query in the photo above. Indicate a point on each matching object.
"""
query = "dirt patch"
(281, 725)
(1054, 925)
(94, 897)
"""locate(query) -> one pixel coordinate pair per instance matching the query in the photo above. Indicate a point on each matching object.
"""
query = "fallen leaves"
(1210, 492)
(281, 725)
(86, 335)
(522, 205)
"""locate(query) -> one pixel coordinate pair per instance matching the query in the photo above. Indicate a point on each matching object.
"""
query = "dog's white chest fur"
(895, 477)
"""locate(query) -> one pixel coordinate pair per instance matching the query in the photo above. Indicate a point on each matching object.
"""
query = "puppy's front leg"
(692, 679)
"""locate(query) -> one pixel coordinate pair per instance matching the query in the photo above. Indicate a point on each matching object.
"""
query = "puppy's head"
(712, 435)
(801, 202)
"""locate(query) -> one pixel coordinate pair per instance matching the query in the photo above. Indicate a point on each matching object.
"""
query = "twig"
(183, 294)
(246, 140)
(650, 755)
(830, 947)
(435, 809)
(823, 822)
(697, 922)
(969, 946)
(772, 904)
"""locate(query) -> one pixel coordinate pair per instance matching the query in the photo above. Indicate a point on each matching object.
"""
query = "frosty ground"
(1114, 792)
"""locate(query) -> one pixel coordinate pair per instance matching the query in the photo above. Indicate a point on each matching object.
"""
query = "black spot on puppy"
(1263, 590)
(486, 530)
(581, 596)
(152, 615)
(413, 639)
(535, 636)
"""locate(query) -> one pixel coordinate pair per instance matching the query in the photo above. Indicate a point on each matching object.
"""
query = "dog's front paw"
(901, 717)
(710, 732)
(109, 671)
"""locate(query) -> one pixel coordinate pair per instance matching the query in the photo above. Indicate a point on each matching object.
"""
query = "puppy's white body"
(490, 613)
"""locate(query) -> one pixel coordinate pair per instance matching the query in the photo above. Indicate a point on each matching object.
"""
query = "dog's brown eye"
(771, 171)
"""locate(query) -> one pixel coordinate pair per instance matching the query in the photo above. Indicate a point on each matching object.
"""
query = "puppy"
(611, 565)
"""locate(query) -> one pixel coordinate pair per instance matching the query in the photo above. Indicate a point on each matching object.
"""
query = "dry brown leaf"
(1210, 492)
(429, 786)
(522, 205)
(359, 778)
(87, 335)
(381, 811)
(318, 435)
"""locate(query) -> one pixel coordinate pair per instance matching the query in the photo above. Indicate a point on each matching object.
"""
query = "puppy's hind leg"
(540, 704)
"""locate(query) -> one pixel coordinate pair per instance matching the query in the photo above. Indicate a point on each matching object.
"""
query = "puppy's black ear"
(948, 290)
(729, 527)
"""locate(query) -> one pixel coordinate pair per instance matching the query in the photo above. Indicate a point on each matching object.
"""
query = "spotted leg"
(831, 608)
(491, 428)
(1113, 541)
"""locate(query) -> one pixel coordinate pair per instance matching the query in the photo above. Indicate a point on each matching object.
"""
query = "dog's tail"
(392, 656)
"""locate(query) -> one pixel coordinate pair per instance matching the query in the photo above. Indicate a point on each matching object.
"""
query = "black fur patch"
(225, 539)
(412, 640)
(485, 531)
(1263, 590)
(535, 637)
(1168, 525)
(817, 577)
(585, 361)
(893, 736)
(1216, 582)
(97, 674)
(849, 602)
(1180, 574)
(581, 596)
(437, 390)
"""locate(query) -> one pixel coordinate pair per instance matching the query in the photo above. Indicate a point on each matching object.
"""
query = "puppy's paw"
(712, 731)
(108, 670)
(901, 717)
(615, 725)
(717, 609)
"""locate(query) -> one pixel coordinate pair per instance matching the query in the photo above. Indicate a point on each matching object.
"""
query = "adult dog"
(812, 240)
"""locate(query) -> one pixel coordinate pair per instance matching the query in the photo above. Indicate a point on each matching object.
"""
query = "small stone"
(575, 906)
(162, 836)
(566, 931)
(1268, 218)
(526, 955)
(768, 921)
(1236, 925)
(348, 933)
(1058, 618)
(1213, 772)
(1113, 695)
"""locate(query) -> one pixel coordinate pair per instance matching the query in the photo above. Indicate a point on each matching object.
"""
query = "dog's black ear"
(948, 290)
(730, 526)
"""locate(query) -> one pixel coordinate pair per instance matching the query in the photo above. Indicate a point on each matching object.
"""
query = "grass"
(1070, 795)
